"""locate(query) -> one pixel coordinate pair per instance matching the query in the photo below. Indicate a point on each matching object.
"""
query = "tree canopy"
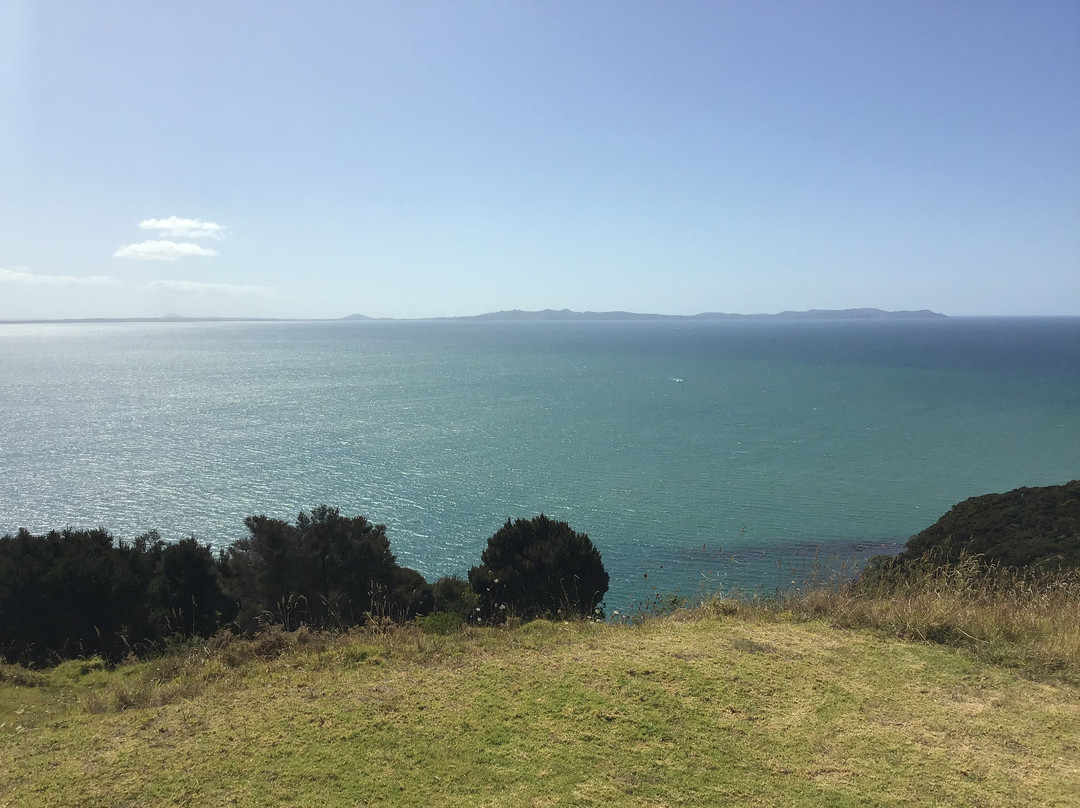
(76, 592)
(539, 567)
(327, 569)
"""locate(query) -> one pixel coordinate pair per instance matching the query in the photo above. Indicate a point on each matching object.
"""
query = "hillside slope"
(697, 711)
(1021, 528)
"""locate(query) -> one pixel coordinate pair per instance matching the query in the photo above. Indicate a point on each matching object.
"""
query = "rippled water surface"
(699, 454)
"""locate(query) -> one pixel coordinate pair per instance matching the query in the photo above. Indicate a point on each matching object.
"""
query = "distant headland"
(812, 314)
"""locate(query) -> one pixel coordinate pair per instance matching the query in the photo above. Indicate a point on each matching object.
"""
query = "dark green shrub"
(328, 570)
(539, 568)
(452, 594)
(76, 593)
(409, 595)
(187, 588)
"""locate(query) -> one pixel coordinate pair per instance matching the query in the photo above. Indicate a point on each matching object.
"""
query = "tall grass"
(1028, 619)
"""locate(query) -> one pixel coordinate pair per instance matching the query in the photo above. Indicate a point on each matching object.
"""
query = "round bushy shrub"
(539, 568)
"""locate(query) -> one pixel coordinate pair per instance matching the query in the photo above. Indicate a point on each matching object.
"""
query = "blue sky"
(411, 159)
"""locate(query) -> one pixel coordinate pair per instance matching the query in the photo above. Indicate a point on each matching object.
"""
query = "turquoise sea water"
(703, 455)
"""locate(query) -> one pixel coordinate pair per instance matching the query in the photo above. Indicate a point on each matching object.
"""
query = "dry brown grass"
(1024, 619)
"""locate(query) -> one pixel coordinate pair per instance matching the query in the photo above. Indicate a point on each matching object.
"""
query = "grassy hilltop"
(732, 704)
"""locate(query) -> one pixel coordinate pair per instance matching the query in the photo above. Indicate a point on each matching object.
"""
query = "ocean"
(700, 457)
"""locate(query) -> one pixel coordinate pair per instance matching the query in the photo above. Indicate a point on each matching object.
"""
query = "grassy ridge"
(731, 704)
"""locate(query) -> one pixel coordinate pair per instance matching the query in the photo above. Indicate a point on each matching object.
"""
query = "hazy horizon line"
(548, 314)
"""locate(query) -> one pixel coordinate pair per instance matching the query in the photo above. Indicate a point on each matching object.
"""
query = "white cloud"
(24, 278)
(200, 288)
(161, 251)
(184, 228)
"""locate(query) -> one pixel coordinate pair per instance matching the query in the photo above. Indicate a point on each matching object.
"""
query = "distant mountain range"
(546, 314)
(812, 314)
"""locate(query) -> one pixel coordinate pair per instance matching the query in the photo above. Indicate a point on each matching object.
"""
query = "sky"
(420, 159)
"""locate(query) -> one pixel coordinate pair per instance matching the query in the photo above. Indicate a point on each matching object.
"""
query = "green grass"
(728, 705)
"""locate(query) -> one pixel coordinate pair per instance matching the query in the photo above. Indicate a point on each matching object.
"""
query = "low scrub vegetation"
(1026, 527)
(80, 593)
(75, 593)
